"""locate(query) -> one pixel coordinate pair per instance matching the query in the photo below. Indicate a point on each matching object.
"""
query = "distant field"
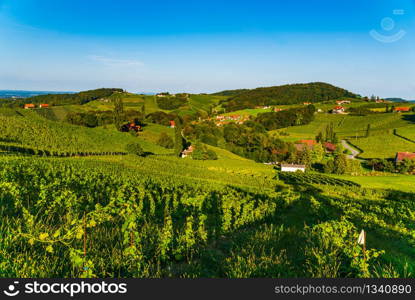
(347, 126)
(152, 132)
(382, 146)
(407, 132)
(400, 182)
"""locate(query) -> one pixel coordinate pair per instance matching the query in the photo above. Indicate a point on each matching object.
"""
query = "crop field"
(31, 132)
(139, 224)
(388, 182)
(347, 126)
(407, 132)
(382, 146)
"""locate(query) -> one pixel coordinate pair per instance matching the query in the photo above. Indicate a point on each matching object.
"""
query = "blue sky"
(366, 46)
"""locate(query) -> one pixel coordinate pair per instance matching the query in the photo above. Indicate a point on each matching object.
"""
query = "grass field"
(382, 146)
(393, 182)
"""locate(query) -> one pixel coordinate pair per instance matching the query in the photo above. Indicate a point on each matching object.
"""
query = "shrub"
(134, 148)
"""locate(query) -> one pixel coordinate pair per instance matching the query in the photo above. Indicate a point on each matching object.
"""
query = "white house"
(292, 168)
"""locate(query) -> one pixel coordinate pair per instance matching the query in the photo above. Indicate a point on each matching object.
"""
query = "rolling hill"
(287, 94)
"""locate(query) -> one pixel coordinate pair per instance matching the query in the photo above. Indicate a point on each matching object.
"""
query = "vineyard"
(27, 132)
(307, 178)
(65, 217)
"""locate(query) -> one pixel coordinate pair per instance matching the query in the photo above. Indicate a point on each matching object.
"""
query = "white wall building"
(292, 168)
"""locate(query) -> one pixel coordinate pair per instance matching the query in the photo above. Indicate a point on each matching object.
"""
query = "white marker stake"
(362, 241)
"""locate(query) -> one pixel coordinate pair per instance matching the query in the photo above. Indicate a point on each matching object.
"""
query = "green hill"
(77, 98)
(28, 132)
(287, 94)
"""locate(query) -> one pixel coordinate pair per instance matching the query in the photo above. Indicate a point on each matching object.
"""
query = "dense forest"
(172, 102)
(66, 99)
(286, 94)
(231, 92)
(286, 118)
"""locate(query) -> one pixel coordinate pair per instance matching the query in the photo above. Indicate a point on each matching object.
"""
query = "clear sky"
(366, 46)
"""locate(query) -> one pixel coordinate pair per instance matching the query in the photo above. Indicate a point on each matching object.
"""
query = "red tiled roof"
(404, 155)
(339, 107)
(307, 142)
(29, 105)
(329, 146)
(402, 109)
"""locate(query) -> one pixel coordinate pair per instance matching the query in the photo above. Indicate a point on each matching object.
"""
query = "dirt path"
(346, 145)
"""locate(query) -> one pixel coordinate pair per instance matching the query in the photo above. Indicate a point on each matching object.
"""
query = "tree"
(320, 137)
(202, 153)
(179, 142)
(134, 148)
(143, 111)
(340, 164)
(118, 113)
(317, 153)
(165, 141)
(305, 157)
(368, 130)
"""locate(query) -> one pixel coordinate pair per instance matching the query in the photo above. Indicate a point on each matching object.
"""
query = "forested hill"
(78, 98)
(287, 94)
(231, 92)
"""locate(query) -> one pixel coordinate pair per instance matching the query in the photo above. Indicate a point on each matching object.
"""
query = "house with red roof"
(338, 110)
(29, 106)
(172, 124)
(302, 145)
(402, 109)
(400, 156)
(188, 151)
(329, 147)
(43, 105)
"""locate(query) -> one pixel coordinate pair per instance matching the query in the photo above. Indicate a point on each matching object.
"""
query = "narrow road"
(346, 145)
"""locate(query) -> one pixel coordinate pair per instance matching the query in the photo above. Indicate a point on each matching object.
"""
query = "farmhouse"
(306, 103)
(302, 145)
(338, 110)
(28, 106)
(188, 151)
(400, 156)
(292, 168)
(43, 105)
(402, 109)
(172, 124)
(343, 102)
(131, 126)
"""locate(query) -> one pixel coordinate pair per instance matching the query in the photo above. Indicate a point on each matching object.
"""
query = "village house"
(172, 124)
(43, 105)
(188, 151)
(400, 156)
(338, 110)
(329, 147)
(276, 109)
(292, 168)
(402, 109)
(29, 106)
(302, 145)
(339, 102)
(131, 126)
(306, 103)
